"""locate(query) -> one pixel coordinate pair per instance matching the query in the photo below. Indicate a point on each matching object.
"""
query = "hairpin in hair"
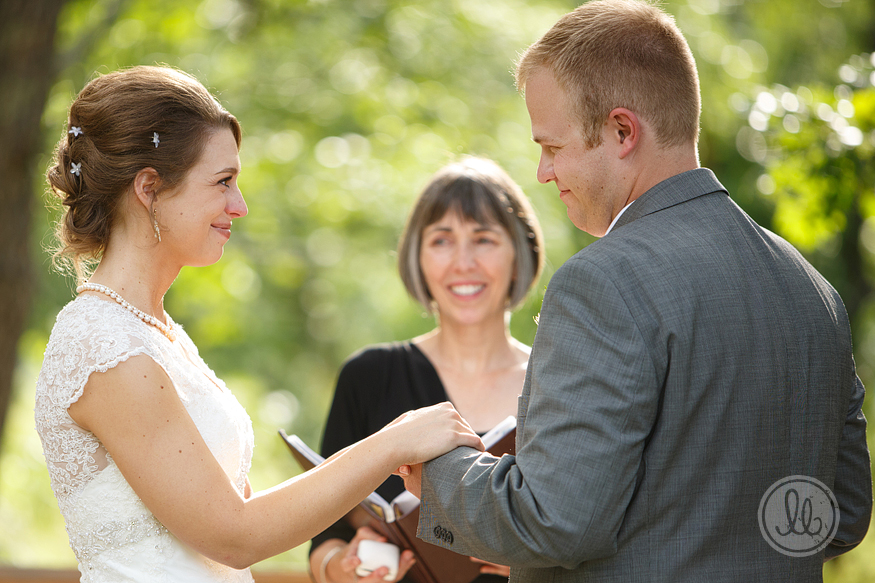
(76, 131)
(155, 139)
(76, 168)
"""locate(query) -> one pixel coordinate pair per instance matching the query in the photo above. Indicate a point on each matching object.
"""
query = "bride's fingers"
(474, 441)
(433, 431)
(471, 437)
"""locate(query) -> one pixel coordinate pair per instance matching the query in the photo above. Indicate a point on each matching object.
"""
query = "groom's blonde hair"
(621, 53)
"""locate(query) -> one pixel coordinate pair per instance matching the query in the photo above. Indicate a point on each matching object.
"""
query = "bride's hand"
(427, 433)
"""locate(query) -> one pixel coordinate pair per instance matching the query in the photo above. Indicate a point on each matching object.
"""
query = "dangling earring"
(155, 224)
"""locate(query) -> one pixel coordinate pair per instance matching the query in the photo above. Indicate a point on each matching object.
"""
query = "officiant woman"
(470, 252)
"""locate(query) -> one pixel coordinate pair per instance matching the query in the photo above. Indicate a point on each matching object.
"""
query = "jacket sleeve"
(853, 480)
(587, 408)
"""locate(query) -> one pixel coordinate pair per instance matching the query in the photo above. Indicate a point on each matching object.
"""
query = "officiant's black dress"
(375, 386)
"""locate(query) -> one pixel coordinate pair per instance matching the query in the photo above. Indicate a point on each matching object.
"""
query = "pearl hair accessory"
(76, 168)
(151, 320)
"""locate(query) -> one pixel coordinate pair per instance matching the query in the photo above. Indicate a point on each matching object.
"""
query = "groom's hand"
(412, 475)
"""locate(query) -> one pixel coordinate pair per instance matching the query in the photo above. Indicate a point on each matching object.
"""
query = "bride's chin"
(205, 261)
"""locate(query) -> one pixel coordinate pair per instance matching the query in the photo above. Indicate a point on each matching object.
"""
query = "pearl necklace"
(152, 320)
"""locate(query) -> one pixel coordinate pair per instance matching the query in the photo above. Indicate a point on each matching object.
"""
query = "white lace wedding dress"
(114, 536)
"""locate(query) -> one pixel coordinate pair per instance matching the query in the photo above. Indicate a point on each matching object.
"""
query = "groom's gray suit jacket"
(683, 363)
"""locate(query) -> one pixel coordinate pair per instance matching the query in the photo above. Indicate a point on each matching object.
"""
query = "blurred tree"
(27, 33)
(28, 69)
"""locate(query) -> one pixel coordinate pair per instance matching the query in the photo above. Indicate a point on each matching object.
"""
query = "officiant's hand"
(342, 564)
(412, 475)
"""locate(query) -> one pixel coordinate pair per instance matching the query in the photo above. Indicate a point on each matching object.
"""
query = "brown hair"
(112, 125)
(621, 53)
(481, 191)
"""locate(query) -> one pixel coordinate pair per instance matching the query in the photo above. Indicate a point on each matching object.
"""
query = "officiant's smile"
(468, 268)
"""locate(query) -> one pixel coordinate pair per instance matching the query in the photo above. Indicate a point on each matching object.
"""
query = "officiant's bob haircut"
(478, 190)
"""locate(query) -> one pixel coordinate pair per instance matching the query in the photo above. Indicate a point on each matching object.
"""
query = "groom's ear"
(624, 130)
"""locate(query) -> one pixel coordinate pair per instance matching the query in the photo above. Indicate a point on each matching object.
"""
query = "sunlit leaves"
(816, 145)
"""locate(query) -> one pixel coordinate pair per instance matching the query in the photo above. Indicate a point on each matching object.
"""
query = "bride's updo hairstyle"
(119, 124)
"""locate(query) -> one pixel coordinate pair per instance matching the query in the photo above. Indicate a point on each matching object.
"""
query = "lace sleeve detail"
(90, 335)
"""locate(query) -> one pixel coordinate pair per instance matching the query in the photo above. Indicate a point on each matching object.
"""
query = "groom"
(686, 365)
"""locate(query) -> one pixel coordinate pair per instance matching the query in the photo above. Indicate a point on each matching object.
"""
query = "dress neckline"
(431, 369)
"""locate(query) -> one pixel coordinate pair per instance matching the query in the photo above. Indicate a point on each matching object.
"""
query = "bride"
(147, 450)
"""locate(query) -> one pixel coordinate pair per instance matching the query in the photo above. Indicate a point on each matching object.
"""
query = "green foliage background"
(349, 105)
